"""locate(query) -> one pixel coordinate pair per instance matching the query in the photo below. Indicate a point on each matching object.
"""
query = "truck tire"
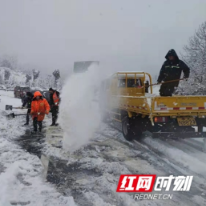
(130, 129)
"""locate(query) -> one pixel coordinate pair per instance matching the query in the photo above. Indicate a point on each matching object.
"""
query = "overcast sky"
(121, 34)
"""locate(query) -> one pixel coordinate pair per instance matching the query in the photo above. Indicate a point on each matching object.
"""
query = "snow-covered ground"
(21, 172)
(89, 176)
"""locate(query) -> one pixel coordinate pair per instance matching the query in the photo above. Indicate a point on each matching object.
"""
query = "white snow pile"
(79, 114)
(21, 172)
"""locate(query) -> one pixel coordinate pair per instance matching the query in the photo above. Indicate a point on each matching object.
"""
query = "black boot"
(54, 116)
(40, 126)
(35, 124)
(53, 122)
(26, 124)
(27, 118)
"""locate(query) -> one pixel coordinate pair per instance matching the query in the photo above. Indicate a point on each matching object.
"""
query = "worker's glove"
(56, 103)
(47, 112)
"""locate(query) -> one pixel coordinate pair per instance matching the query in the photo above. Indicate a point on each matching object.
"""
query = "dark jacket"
(51, 98)
(171, 70)
(27, 100)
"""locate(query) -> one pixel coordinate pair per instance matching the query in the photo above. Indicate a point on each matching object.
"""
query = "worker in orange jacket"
(39, 107)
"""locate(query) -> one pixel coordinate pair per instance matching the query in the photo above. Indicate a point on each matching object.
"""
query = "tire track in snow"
(169, 164)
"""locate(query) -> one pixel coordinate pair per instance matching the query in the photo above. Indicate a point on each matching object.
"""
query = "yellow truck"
(125, 98)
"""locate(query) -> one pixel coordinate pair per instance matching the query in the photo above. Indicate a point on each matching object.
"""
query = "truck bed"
(179, 105)
(164, 106)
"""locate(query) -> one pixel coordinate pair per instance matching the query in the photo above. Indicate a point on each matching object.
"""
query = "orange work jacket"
(39, 107)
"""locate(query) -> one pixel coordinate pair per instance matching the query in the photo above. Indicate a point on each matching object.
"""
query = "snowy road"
(90, 175)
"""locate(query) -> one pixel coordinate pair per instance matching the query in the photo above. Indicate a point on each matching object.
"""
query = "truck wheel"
(130, 129)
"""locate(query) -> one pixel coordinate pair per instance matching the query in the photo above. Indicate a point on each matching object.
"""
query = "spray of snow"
(79, 113)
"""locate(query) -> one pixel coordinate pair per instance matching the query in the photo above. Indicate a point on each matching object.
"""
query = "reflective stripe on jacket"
(56, 99)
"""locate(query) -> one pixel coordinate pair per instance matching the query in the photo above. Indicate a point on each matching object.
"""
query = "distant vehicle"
(46, 95)
(16, 91)
(20, 92)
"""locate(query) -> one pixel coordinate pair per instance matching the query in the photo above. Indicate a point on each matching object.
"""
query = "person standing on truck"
(27, 102)
(54, 102)
(147, 86)
(39, 107)
(172, 70)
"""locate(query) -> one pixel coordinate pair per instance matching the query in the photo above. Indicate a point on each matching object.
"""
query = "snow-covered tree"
(50, 81)
(46, 82)
(56, 75)
(7, 74)
(195, 57)
(35, 73)
(28, 78)
(11, 78)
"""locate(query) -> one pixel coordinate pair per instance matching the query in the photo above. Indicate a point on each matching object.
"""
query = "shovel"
(12, 115)
(10, 107)
(164, 82)
(176, 80)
